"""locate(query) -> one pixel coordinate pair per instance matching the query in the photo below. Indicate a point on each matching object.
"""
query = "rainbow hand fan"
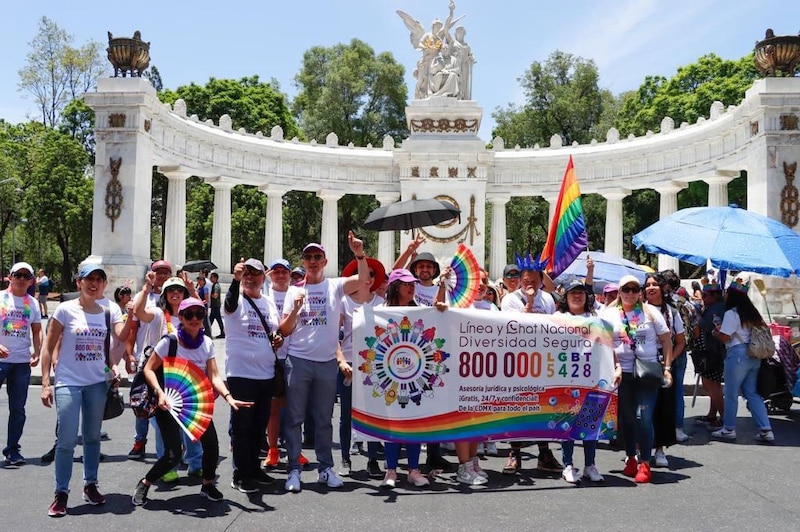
(464, 279)
(189, 394)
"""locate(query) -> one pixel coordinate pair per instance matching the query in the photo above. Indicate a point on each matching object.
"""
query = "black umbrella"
(197, 265)
(409, 214)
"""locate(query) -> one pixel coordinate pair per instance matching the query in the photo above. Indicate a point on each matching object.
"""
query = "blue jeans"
(741, 373)
(17, 376)
(589, 451)
(313, 385)
(346, 421)
(393, 454)
(678, 374)
(193, 450)
(141, 427)
(636, 405)
(73, 403)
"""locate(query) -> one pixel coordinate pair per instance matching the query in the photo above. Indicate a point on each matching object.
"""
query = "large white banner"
(421, 375)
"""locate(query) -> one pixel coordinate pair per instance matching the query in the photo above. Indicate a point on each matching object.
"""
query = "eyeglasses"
(313, 256)
(511, 276)
(194, 314)
(25, 276)
(252, 271)
(629, 289)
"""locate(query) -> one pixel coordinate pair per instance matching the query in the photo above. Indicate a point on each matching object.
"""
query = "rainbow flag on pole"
(567, 236)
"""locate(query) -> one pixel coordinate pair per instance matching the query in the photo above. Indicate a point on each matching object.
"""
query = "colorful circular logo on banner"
(404, 362)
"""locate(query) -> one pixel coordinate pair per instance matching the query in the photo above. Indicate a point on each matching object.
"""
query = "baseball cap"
(280, 262)
(574, 285)
(190, 302)
(627, 279)
(510, 268)
(87, 269)
(314, 245)
(21, 266)
(161, 264)
(255, 264)
(173, 281)
(299, 271)
(401, 274)
(610, 287)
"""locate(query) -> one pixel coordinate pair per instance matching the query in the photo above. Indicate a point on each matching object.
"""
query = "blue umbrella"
(607, 267)
(732, 238)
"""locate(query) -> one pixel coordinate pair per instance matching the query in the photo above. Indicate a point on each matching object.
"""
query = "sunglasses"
(252, 271)
(25, 276)
(194, 314)
(313, 256)
(630, 289)
(512, 276)
(408, 283)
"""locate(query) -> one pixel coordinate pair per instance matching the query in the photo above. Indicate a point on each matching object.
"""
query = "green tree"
(56, 72)
(562, 96)
(348, 90)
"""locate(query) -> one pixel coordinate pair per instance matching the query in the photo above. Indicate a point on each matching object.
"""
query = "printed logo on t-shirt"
(315, 311)
(89, 343)
(15, 323)
(254, 327)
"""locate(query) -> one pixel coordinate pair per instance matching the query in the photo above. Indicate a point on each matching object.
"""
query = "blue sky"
(192, 41)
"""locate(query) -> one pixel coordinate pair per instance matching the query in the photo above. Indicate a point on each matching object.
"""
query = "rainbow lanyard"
(8, 303)
(629, 326)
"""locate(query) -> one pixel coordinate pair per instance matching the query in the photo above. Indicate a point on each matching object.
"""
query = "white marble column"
(175, 230)
(386, 254)
(498, 254)
(614, 219)
(718, 189)
(273, 229)
(668, 204)
(330, 230)
(221, 231)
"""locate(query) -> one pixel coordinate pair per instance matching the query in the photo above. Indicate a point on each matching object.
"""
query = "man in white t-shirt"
(21, 328)
(143, 335)
(531, 299)
(311, 325)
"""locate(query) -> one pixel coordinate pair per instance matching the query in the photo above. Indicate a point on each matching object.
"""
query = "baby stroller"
(778, 375)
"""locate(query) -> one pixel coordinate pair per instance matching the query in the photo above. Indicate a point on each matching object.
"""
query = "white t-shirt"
(425, 295)
(543, 303)
(148, 334)
(17, 314)
(248, 351)
(484, 305)
(316, 334)
(199, 356)
(647, 333)
(348, 308)
(81, 359)
(732, 326)
(278, 298)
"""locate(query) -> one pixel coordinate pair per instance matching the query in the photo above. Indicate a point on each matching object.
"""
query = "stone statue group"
(445, 68)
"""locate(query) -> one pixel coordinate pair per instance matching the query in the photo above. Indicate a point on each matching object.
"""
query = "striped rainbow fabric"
(567, 236)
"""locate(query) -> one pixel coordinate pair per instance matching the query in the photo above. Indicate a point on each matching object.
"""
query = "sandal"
(513, 465)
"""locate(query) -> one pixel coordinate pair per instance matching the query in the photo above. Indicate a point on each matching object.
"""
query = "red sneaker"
(643, 476)
(302, 460)
(273, 456)
(631, 467)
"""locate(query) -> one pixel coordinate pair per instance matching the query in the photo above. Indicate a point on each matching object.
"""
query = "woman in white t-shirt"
(741, 370)
(194, 346)
(639, 329)
(76, 346)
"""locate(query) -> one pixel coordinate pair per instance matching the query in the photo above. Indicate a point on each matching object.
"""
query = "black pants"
(248, 425)
(173, 450)
(215, 315)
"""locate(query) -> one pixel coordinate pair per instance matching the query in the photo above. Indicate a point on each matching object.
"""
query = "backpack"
(761, 345)
(143, 400)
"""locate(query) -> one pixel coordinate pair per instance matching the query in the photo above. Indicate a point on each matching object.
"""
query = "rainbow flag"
(567, 236)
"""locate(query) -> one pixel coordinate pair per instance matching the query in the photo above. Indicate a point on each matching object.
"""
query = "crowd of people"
(289, 355)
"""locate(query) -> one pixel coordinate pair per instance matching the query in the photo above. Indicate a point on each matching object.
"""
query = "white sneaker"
(449, 447)
(390, 479)
(480, 451)
(681, 436)
(490, 448)
(661, 459)
(570, 474)
(467, 475)
(293, 483)
(765, 436)
(592, 474)
(725, 434)
(415, 478)
(476, 466)
(328, 476)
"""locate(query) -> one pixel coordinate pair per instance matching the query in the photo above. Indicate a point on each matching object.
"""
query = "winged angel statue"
(445, 68)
